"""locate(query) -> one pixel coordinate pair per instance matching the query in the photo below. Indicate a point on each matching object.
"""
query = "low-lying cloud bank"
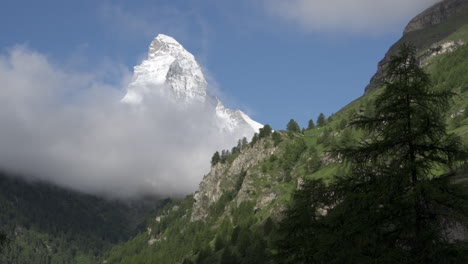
(70, 129)
(347, 15)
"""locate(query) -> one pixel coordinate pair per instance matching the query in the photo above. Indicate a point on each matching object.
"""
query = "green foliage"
(311, 124)
(47, 224)
(389, 208)
(215, 159)
(321, 120)
(297, 240)
(314, 163)
(276, 138)
(3, 240)
(265, 131)
(361, 226)
(244, 142)
(450, 70)
(292, 152)
(224, 155)
(255, 138)
(293, 126)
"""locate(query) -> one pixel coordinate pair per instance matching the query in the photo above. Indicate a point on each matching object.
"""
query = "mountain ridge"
(423, 31)
(172, 73)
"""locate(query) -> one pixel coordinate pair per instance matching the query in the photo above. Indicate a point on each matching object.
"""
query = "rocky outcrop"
(438, 49)
(436, 14)
(444, 12)
(223, 178)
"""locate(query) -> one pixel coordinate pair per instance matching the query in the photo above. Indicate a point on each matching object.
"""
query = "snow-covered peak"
(233, 119)
(170, 71)
(164, 44)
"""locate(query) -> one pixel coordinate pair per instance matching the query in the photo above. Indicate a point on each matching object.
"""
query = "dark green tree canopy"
(215, 159)
(407, 128)
(389, 205)
(311, 124)
(3, 240)
(321, 120)
(265, 131)
(293, 126)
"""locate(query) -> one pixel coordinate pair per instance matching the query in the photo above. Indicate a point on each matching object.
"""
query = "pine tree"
(3, 240)
(392, 168)
(265, 131)
(389, 207)
(321, 120)
(276, 138)
(293, 126)
(245, 142)
(311, 124)
(254, 139)
(215, 159)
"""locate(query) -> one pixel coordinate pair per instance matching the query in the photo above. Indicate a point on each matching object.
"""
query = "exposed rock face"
(439, 13)
(439, 49)
(436, 14)
(224, 177)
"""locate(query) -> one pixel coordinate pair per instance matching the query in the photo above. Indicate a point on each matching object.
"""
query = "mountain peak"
(171, 72)
(166, 39)
(164, 44)
(169, 68)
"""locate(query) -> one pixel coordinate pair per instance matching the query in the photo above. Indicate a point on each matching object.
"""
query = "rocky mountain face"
(172, 73)
(232, 176)
(425, 31)
(436, 14)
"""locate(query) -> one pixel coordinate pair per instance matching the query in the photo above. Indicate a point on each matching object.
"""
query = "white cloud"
(347, 15)
(70, 129)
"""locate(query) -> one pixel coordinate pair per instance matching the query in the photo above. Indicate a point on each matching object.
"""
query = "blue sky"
(274, 59)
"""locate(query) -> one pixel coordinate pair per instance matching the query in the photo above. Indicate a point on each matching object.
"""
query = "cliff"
(425, 32)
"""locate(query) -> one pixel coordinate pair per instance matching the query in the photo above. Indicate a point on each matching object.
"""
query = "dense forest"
(42, 223)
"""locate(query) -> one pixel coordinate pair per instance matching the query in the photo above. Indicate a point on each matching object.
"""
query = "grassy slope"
(181, 238)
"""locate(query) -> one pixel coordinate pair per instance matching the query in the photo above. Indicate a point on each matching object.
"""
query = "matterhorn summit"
(171, 72)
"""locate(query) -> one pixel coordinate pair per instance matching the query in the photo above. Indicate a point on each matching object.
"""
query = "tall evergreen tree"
(390, 207)
(394, 165)
(3, 240)
(245, 142)
(215, 159)
(293, 126)
(321, 120)
(265, 131)
(311, 124)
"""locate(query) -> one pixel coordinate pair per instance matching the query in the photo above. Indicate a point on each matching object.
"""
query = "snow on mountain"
(168, 65)
(172, 72)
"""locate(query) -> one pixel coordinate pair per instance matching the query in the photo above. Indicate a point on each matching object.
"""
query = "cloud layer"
(70, 129)
(345, 15)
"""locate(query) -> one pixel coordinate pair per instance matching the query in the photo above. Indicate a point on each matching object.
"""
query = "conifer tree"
(215, 159)
(392, 168)
(390, 206)
(276, 138)
(293, 126)
(265, 131)
(321, 120)
(3, 240)
(245, 142)
(311, 124)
